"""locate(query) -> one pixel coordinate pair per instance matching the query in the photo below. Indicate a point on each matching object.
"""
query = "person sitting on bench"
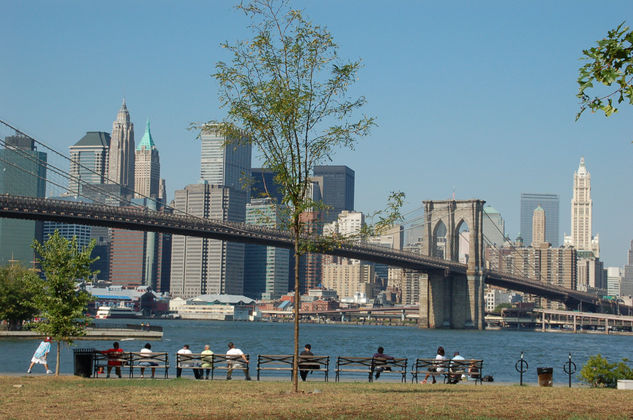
(380, 361)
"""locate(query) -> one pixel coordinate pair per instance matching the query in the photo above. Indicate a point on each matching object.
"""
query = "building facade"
(337, 189)
(121, 159)
(22, 172)
(581, 213)
(83, 233)
(348, 279)
(494, 228)
(264, 185)
(626, 286)
(227, 166)
(538, 227)
(614, 280)
(89, 159)
(550, 204)
(147, 167)
(201, 265)
(266, 267)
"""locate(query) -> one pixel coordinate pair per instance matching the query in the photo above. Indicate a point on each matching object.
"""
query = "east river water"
(499, 349)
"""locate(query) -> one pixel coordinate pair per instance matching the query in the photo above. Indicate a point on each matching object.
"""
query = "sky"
(471, 98)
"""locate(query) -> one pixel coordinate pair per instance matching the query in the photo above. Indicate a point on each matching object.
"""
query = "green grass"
(71, 397)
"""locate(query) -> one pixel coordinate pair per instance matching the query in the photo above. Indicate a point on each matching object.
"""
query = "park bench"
(369, 364)
(220, 361)
(100, 361)
(194, 361)
(280, 363)
(159, 360)
(448, 369)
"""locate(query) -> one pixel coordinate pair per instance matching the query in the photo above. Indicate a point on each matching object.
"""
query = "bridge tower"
(449, 299)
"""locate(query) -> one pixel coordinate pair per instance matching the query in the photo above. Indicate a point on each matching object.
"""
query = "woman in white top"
(147, 362)
(440, 358)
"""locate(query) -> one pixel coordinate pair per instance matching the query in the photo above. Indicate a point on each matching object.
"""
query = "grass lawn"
(72, 397)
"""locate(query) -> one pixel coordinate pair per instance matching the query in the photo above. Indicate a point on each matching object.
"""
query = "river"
(499, 349)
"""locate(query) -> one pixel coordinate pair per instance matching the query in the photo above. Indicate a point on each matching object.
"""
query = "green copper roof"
(147, 142)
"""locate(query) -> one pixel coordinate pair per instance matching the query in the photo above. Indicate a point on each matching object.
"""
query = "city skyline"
(505, 136)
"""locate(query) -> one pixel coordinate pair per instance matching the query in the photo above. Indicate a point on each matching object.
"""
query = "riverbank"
(72, 397)
(93, 334)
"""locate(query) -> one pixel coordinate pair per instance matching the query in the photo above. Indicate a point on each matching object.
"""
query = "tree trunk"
(58, 358)
(295, 363)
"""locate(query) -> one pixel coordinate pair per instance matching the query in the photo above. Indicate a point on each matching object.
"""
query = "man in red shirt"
(114, 359)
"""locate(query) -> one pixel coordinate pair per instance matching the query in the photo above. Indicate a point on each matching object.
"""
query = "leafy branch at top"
(610, 63)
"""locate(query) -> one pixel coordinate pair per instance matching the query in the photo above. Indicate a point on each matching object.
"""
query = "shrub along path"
(72, 397)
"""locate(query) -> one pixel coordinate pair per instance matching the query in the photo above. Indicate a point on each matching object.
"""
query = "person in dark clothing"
(380, 362)
(306, 352)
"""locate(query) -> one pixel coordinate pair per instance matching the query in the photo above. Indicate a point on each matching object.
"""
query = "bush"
(599, 373)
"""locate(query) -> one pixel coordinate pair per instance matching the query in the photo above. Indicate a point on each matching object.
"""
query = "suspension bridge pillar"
(453, 299)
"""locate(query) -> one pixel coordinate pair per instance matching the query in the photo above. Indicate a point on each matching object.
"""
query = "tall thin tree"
(286, 92)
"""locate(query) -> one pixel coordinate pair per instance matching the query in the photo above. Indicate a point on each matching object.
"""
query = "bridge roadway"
(30, 208)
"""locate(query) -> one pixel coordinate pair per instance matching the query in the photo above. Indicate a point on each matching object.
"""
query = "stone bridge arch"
(452, 300)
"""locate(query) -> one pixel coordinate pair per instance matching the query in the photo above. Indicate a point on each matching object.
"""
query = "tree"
(62, 305)
(500, 307)
(609, 64)
(286, 93)
(17, 295)
(599, 373)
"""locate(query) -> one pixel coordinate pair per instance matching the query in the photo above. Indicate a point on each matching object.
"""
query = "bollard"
(569, 368)
(521, 366)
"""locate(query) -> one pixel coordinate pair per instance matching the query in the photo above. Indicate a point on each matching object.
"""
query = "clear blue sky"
(475, 96)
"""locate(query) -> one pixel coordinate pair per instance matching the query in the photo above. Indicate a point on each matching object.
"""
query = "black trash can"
(83, 359)
(545, 376)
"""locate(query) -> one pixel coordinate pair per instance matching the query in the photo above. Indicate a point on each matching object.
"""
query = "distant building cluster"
(199, 273)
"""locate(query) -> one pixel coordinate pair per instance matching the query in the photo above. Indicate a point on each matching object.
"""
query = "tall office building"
(208, 266)
(266, 268)
(581, 212)
(147, 167)
(337, 189)
(22, 172)
(201, 266)
(264, 185)
(550, 204)
(350, 278)
(68, 230)
(626, 286)
(89, 161)
(121, 159)
(494, 228)
(228, 166)
(614, 280)
(136, 256)
(538, 227)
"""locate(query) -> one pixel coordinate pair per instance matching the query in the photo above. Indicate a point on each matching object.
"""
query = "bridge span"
(19, 207)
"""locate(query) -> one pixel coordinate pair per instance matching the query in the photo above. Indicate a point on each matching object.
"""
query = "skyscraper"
(227, 166)
(538, 226)
(266, 268)
(494, 228)
(550, 204)
(581, 211)
(264, 184)
(89, 161)
(146, 167)
(337, 189)
(22, 172)
(626, 287)
(201, 265)
(121, 159)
